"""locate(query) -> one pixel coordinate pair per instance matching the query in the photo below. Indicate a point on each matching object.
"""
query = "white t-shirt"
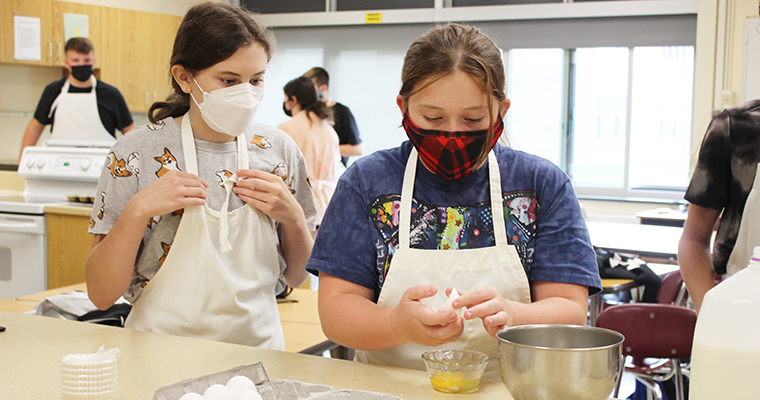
(138, 159)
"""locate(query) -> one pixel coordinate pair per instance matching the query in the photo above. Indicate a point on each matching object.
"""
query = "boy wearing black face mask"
(79, 107)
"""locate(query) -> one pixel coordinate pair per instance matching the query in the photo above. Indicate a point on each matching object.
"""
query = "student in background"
(450, 208)
(200, 215)
(344, 123)
(724, 189)
(79, 107)
(314, 136)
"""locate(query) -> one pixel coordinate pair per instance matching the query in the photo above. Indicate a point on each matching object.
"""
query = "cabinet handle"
(60, 51)
(147, 97)
(50, 50)
(154, 96)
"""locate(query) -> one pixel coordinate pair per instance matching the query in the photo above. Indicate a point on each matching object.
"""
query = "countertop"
(84, 210)
(33, 347)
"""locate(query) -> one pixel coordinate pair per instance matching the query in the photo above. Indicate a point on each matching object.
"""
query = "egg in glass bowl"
(455, 371)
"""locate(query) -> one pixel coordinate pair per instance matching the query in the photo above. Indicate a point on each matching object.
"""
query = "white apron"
(464, 269)
(218, 280)
(77, 116)
(749, 230)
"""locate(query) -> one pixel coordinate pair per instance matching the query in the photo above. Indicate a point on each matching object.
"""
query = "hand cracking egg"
(447, 305)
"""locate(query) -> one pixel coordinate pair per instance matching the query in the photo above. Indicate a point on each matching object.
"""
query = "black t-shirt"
(345, 126)
(725, 173)
(111, 105)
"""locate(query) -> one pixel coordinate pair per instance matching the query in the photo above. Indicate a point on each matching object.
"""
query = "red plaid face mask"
(450, 155)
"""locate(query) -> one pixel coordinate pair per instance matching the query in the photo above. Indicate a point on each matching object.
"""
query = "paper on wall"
(75, 25)
(27, 41)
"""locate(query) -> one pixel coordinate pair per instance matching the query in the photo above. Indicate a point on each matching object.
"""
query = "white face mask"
(230, 110)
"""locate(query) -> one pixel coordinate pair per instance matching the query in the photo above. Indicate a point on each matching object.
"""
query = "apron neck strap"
(65, 89)
(188, 148)
(191, 165)
(407, 191)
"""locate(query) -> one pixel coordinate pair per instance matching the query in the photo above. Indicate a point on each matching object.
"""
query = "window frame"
(665, 195)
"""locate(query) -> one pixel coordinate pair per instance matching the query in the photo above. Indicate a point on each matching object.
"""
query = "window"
(621, 126)
(535, 118)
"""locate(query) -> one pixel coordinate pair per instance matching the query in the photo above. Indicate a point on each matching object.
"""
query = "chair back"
(652, 330)
(672, 290)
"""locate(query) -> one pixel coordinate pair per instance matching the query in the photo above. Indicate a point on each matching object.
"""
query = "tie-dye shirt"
(359, 234)
(725, 173)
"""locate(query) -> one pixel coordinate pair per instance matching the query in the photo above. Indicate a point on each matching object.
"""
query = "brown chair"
(663, 332)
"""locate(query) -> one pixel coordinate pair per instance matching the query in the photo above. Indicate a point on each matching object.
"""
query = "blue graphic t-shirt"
(359, 233)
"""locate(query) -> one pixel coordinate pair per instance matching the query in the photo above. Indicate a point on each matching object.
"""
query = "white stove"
(55, 174)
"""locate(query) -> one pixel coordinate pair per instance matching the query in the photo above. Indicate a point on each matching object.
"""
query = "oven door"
(22, 255)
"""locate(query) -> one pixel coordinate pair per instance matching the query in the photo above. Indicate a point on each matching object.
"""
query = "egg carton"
(279, 389)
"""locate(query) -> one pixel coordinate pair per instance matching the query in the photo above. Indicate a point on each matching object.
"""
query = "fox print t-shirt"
(144, 155)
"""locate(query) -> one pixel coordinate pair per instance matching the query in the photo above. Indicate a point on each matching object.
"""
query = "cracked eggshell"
(447, 305)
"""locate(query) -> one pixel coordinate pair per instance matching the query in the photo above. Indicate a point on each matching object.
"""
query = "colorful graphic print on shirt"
(455, 227)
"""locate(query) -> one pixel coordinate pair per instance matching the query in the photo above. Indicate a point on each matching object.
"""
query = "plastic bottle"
(726, 348)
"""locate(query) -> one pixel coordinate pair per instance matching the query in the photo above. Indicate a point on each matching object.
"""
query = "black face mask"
(286, 111)
(82, 73)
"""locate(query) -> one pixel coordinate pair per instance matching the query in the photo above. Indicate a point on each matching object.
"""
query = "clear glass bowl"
(455, 371)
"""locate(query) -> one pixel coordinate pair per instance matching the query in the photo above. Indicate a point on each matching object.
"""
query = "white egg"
(236, 384)
(247, 394)
(217, 392)
(447, 305)
(191, 396)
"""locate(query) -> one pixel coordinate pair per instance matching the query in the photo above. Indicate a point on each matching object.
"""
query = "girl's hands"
(417, 323)
(268, 193)
(489, 305)
(173, 191)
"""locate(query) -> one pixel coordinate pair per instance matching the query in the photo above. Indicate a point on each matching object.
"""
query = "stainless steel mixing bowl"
(551, 362)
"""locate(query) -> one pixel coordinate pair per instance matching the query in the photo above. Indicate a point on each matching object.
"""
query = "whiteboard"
(751, 89)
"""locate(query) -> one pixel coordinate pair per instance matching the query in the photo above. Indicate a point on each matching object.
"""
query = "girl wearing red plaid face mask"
(450, 209)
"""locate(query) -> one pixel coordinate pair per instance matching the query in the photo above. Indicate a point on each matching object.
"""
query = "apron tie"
(191, 164)
(224, 226)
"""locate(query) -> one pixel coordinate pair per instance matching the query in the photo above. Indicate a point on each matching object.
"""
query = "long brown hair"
(449, 48)
(209, 33)
(302, 88)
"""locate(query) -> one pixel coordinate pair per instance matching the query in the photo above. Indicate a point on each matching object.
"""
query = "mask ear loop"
(202, 91)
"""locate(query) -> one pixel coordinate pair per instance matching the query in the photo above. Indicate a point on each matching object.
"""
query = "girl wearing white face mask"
(203, 216)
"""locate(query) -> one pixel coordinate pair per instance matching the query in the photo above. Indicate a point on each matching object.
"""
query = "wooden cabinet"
(52, 39)
(68, 244)
(59, 40)
(42, 9)
(132, 48)
(140, 66)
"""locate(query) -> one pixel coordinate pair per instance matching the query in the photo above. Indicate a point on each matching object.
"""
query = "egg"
(247, 394)
(447, 305)
(191, 396)
(217, 392)
(238, 383)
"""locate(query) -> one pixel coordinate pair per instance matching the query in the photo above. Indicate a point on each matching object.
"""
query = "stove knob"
(40, 162)
(85, 164)
(29, 162)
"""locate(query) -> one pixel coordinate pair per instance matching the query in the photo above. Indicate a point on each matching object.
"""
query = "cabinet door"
(68, 244)
(164, 44)
(117, 59)
(139, 49)
(41, 9)
(59, 40)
